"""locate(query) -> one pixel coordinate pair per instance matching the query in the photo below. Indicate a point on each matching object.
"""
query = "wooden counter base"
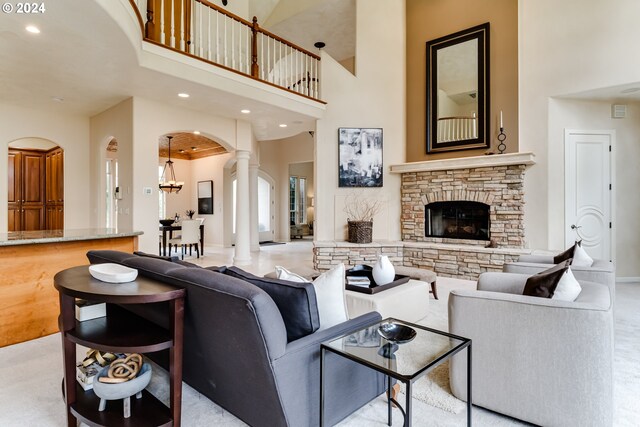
(29, 304)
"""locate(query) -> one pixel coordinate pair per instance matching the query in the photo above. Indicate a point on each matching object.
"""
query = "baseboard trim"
(627, 279)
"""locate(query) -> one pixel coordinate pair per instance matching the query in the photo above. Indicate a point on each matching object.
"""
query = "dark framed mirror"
(458, 91)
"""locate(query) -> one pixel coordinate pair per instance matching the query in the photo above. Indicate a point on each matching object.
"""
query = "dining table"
(169, 229)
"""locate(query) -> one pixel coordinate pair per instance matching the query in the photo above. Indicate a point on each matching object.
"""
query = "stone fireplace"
(460, 217)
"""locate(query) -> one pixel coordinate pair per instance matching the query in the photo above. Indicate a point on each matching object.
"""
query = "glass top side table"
(405, 362)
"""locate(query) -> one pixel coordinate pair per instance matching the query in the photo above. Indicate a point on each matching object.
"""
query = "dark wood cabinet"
(55, 189)
(35, 190)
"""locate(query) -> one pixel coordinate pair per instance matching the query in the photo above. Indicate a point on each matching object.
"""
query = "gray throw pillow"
(544, 284)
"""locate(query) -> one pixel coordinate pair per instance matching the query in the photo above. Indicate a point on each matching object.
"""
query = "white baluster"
(162, 38)
(225, 40)
(209, 33)
(217, 37)
(172, 39)
(200, 31)
(233, 44)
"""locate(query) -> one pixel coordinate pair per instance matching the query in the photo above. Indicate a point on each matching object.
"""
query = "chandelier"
(168, 181)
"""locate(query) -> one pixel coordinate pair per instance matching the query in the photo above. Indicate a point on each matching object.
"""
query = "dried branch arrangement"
(359, 208)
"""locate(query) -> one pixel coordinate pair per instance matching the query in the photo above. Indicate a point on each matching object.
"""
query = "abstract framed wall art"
(360, 157)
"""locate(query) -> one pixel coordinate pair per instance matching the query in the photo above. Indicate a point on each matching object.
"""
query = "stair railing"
(207, 32)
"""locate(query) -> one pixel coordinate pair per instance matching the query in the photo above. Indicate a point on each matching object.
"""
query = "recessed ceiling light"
(194, 148)
(57, 99)
(196, 132)
(33, 29)
(282, 125)
(245, 111)
(631, 90)
(183, 95)
(181, 151)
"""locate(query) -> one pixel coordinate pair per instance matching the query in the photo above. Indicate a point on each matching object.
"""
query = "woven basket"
(360, 231)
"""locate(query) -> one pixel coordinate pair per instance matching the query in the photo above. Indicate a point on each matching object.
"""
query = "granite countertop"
(53, 236)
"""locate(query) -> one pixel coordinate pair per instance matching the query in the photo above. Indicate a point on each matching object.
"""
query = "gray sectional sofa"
(245, 349)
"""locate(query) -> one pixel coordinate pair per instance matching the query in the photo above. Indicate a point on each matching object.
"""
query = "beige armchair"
(540, 360)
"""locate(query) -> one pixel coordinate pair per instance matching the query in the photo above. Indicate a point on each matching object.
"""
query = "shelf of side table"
(120, 331)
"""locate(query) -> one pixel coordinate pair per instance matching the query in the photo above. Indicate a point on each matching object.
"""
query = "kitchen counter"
(54, 236)
(29, 304)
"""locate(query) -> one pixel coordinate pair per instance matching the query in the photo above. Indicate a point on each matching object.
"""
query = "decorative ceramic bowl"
(113, 273)
(396, 333)
(167, 222)
(116, 391)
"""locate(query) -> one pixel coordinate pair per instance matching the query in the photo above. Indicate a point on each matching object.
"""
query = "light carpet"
(31, 373)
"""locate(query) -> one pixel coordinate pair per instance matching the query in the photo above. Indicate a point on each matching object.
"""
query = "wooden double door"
(35, 190)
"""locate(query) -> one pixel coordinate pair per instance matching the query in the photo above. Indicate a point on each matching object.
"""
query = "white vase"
(383, 271)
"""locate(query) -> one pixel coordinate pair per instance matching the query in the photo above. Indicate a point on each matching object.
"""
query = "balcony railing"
(457, 128)
(207, 32)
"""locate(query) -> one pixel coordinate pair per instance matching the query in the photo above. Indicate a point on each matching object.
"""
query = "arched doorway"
(35, 185)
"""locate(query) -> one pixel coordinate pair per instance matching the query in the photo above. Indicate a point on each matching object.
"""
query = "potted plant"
(190, 213)
(360, 212)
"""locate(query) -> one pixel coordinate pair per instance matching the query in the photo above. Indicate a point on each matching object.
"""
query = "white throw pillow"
(329, 287)
(284, 274)
(568, 287)
(581, 258)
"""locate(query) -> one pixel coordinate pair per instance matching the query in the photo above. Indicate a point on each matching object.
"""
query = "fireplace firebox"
(457, 220)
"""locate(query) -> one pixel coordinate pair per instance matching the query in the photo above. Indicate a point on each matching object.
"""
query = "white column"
(253, 208)
(243, 233)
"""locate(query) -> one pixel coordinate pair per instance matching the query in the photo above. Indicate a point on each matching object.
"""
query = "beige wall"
(565, 48)
(69, 132)
(428, 20)
(275, 158)
(375, 98)
(116, 122)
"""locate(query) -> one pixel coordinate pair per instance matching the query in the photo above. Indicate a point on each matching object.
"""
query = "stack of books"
(358, 281)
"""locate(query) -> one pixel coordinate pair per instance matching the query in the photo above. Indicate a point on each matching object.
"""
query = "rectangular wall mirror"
(458, 91)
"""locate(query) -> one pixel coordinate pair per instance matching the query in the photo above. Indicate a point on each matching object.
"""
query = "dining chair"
(190, 236)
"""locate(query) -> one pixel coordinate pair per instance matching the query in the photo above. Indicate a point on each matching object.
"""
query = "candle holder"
(502, 137)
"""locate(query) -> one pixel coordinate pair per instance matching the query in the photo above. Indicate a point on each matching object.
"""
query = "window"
(297, 200)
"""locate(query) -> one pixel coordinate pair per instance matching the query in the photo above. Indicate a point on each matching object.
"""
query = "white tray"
(113, 273)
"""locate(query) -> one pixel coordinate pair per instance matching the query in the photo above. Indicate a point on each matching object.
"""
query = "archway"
(35, 187)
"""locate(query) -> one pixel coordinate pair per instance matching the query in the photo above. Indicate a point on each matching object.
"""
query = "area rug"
(433, 389)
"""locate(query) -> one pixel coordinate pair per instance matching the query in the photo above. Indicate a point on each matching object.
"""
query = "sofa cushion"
(296, 301)
(544, 283)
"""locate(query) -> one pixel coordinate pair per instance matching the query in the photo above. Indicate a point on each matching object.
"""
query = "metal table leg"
(469, 399)
(389, 421)
(407, 408)
(321, 387)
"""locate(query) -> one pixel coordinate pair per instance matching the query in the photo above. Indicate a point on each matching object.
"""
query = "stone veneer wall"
(500, 187)
(446, 260)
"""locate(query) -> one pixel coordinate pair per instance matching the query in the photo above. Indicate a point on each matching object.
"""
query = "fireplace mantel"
(466, 163)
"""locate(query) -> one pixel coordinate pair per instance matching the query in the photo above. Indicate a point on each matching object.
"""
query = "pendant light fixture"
(168, 181)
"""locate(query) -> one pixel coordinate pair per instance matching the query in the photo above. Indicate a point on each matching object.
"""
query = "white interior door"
(588, 191)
